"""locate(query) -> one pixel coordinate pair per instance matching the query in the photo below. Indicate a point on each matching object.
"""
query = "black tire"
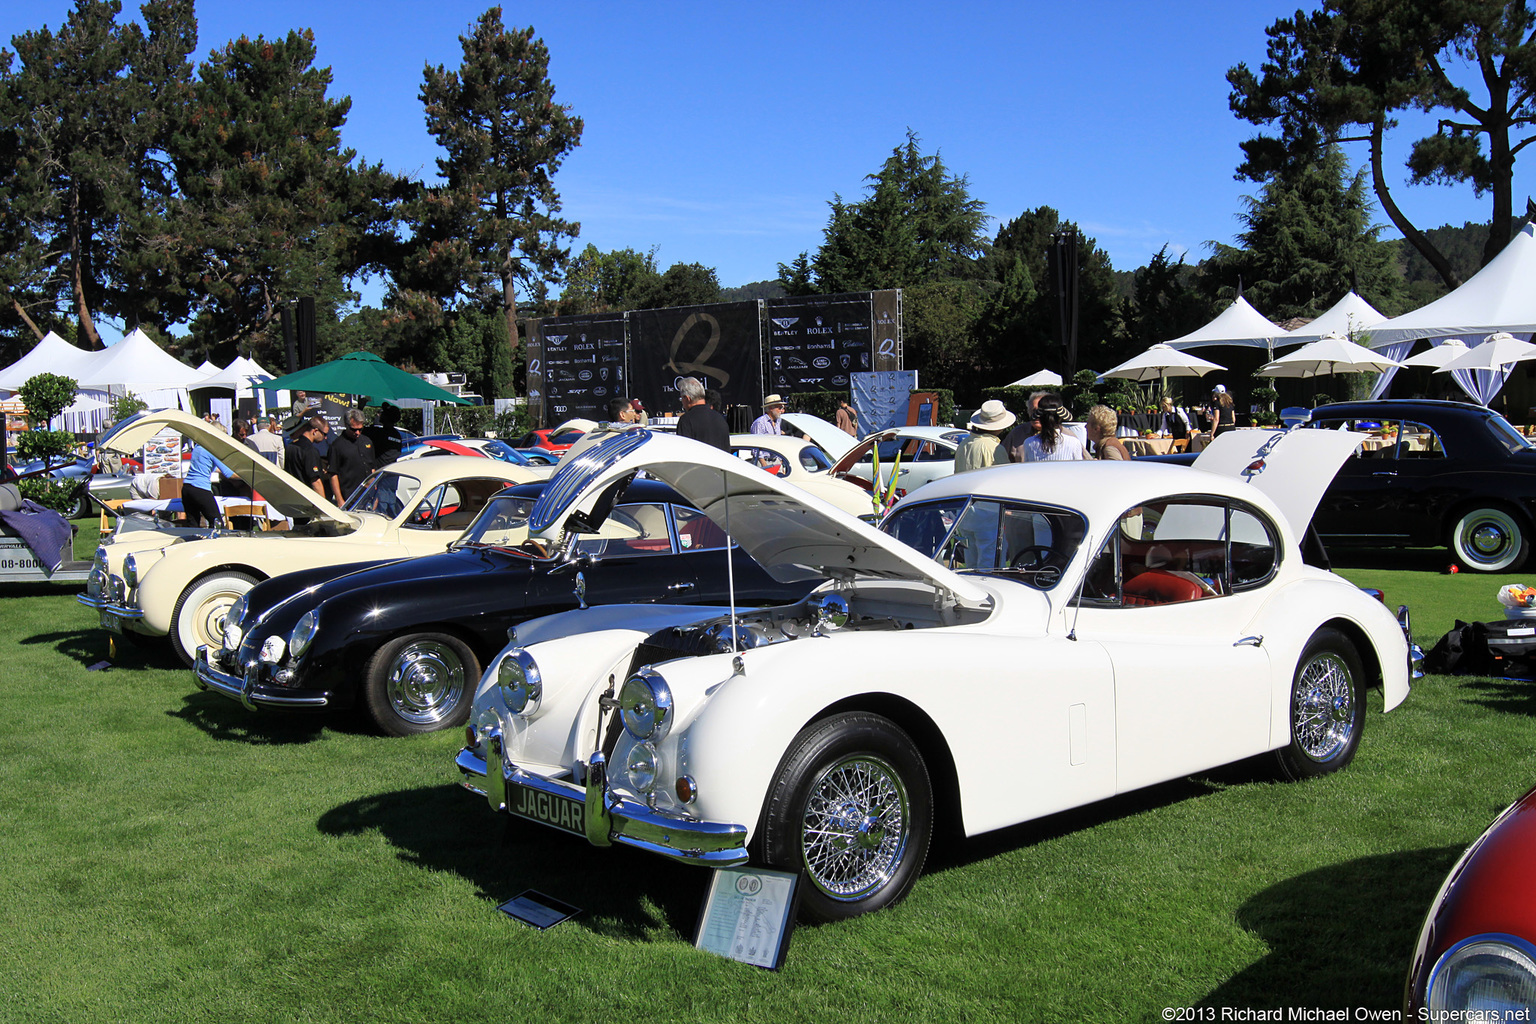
(1327, 708)
(199, 614)
(1489, 539)
(421, 683)
(851, 810)
(80, 505)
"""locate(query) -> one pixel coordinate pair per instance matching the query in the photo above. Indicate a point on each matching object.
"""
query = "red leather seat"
(1157, 587)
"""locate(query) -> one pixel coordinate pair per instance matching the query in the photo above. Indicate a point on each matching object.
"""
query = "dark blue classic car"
(1432, 473)
(408, 639)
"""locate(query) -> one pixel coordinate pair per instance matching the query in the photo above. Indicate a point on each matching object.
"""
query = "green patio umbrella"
(362, 373)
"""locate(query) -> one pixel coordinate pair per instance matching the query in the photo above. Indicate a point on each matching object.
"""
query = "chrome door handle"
(1250, 641)
(1385, 472)
(678, 588)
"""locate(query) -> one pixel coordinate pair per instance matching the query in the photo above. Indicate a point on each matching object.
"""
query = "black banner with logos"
(816, 342)
(721, 344)
(577, 366)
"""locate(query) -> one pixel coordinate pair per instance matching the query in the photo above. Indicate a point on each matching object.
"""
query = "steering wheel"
(1034, 557)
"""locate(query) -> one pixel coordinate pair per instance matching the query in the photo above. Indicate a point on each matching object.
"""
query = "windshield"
(506, 453)
(386, 494)
(503, 523)
(916, 449)
(1012, 539)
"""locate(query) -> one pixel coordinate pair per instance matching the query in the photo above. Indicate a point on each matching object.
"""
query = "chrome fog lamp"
(642, 768)
(830, 611)
(522, 687)
(645, 704)
(117, 591)
(304, 633)
(1489, 973)
(131, 570)
(272, 650)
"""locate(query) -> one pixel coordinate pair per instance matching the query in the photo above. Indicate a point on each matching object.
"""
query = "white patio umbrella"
(1330, 355)
(1162, 360)
(1482, 370)
(1439, 355)
(1040, 379)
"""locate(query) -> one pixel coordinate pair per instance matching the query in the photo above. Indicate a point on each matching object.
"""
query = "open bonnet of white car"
(278, 488)
(796, 536)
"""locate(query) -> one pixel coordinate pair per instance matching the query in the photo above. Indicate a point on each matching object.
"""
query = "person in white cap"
(1221, 413)
(768, 422)
(983, 446)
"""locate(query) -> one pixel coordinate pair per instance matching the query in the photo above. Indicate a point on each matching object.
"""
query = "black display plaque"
(816, 342)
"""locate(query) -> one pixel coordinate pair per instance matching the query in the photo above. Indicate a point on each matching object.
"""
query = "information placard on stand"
(749, 914)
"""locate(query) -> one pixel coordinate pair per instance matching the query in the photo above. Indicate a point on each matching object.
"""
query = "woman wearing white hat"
(983, 446)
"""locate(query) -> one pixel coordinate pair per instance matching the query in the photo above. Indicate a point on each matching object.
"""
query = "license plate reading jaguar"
(547, 809)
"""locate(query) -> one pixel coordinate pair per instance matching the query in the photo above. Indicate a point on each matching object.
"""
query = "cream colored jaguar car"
(151, 582)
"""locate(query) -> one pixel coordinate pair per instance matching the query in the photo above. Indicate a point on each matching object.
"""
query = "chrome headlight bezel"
(643, 766)
(520, 682)
(1446, 988)
(645, 706)
(131, 571)
(303, 633)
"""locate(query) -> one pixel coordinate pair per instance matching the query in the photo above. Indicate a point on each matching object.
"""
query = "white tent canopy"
(239, 376)
(51, 355)
(137, 365)
(1238, 324)
(1346, 318)
(1500, 297)
(1038, 379)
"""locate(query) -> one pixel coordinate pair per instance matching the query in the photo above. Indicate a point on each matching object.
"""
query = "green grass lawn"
(168, 856)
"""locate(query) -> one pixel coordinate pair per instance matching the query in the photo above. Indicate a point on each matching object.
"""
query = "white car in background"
(149, 582)
(1010, 643)
(803, 464)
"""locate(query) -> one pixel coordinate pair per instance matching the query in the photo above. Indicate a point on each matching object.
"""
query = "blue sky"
(717, 132)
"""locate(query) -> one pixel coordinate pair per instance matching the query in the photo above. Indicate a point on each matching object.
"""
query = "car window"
(1018, 540)
(1506, 435)
(452, 506)
(641, 528)
(502, 523)
(696, 531)
(814, 460)
(385, 493)
(1390, 439)
(764, 458)
(1180, 550)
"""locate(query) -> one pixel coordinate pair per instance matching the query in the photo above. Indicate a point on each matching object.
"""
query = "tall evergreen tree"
(1166, 303)
(599, 282)
(918, 223)
(270, 205)
(85, 115)
(1307, 240)
(505, 138)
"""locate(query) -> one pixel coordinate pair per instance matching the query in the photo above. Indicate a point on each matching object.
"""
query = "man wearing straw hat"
(983, 446)
(768, 422)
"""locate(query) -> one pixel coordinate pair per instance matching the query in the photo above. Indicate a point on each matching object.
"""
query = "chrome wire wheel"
(1323, 709)
(425, 682)
(855, 830)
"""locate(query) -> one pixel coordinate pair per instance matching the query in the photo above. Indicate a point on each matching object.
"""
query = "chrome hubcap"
(1488, 539)
(1324, 715)
(855, 830)
(426, 682)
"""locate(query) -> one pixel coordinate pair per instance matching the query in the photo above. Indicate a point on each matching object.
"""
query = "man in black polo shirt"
(302, 459)
(352, 456)
(699, 421)
(386, 439)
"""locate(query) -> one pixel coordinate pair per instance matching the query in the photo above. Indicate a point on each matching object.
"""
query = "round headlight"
(522, 687)
(131, 570)
(642, 767)
(1485, 973)
(645, 703)
(304, 633)
(236, 611)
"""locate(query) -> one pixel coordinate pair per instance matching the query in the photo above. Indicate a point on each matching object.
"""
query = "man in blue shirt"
(197, 498)
(768, 422)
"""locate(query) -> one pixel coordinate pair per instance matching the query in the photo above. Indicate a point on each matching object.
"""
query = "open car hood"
(1293, 468)
(792, 534)
(827, 436)
(282, 491)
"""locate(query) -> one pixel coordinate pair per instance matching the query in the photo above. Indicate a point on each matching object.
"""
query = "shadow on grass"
(42, 589)
(1339, 937)
(223, 719)
(1412, 559)
(1509, 696)
(622, 892)
(953, 851)
(87, 646)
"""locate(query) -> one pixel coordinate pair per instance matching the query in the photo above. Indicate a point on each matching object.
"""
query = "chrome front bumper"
(243, 687)
(595, 813)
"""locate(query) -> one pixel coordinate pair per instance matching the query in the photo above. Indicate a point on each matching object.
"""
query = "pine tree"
(505, 138)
